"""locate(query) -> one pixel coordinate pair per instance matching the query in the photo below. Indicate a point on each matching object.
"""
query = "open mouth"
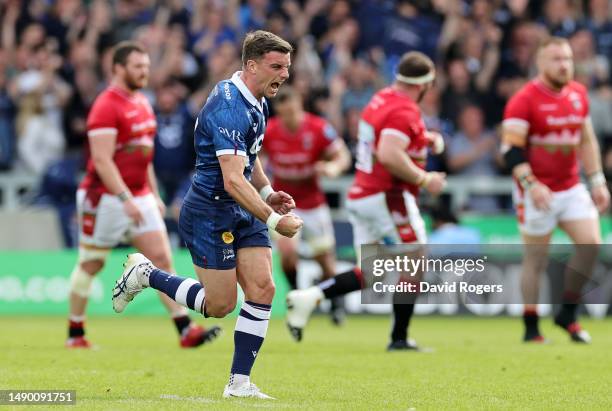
(274, 86)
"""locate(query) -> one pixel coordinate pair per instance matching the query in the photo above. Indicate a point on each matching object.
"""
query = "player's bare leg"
(586, 235)
(156, 247)
(301, 303)
(403, 309)
(287, 248)
(254, 270)
(80, 286)
(535, 259)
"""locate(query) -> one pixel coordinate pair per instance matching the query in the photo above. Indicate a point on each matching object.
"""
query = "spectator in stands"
(459, 91)
(517, 62)
(87, 85)
(446, 229)
(362, 81)
(590, 69)
(472, 153)
(409, 29)
(41, 97)
(254, 15)
(210, 28)
(430, 110)
(7, 119)
(174, 153)
(599, 23)
(560, 18)
(485, 50)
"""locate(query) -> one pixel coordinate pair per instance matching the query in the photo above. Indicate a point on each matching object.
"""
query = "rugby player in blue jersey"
(227, 212)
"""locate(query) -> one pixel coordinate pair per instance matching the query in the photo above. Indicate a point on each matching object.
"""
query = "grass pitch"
(478, 363)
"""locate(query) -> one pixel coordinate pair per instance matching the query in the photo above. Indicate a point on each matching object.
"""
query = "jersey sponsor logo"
(565, 142)
(547, 107)
(257, 144)
(227, 237)
(571, 119)
(226, 90)
(233, 134)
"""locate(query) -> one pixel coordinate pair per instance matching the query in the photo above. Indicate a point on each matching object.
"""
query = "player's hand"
(327, 169)
(436, 182)
(289, 225)
(132, 211)
(281, 202)
(601, 197)
(436, 141)
(541, 196)
(161, 206)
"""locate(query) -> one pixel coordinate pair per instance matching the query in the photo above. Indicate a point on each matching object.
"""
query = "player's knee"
(262, 291)
(92, 267)
(289, 263)
(83, 275)
(220, 309)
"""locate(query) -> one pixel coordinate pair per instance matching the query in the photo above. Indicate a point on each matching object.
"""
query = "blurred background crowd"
(54, 60)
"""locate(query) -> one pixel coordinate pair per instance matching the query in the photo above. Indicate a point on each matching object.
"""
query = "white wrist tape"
(332, 169)
(273, 220)
(265, 192)
(597, 179)
(438, 144)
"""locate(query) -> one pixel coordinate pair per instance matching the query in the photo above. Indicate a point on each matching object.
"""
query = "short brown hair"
(258, 43)
(415, 64)
(122, 51)
(556, 40)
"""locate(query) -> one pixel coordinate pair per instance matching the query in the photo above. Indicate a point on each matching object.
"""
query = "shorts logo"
(228, 254)
(227, 237)
(89, 223)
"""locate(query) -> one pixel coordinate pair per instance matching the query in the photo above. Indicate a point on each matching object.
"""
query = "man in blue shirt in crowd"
(223, 215)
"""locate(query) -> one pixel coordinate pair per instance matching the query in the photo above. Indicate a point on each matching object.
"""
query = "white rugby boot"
(245, 390)
(300, 305)
(134, 279)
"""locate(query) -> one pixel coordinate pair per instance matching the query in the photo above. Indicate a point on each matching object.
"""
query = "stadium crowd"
(54, 59)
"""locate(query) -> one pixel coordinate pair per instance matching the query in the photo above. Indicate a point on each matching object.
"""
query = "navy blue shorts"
(214, 233)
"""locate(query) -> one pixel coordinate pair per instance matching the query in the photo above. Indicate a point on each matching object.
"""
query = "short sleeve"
(403, 124)
(516, 112)
(228, 131)
(102, 119)
(328, 138)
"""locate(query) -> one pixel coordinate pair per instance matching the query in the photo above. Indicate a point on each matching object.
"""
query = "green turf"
(477, 364)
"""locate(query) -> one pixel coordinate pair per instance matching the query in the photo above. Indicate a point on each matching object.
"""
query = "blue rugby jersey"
(232, 121)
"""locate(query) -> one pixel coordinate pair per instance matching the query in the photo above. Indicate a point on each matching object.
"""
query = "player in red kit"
(118, 197)
(391, 154)
(546, 131)
(300, 147)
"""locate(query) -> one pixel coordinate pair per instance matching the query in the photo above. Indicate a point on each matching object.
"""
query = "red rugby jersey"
(293, 155)
(554, 121)
(393, 112)
(132, 120)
